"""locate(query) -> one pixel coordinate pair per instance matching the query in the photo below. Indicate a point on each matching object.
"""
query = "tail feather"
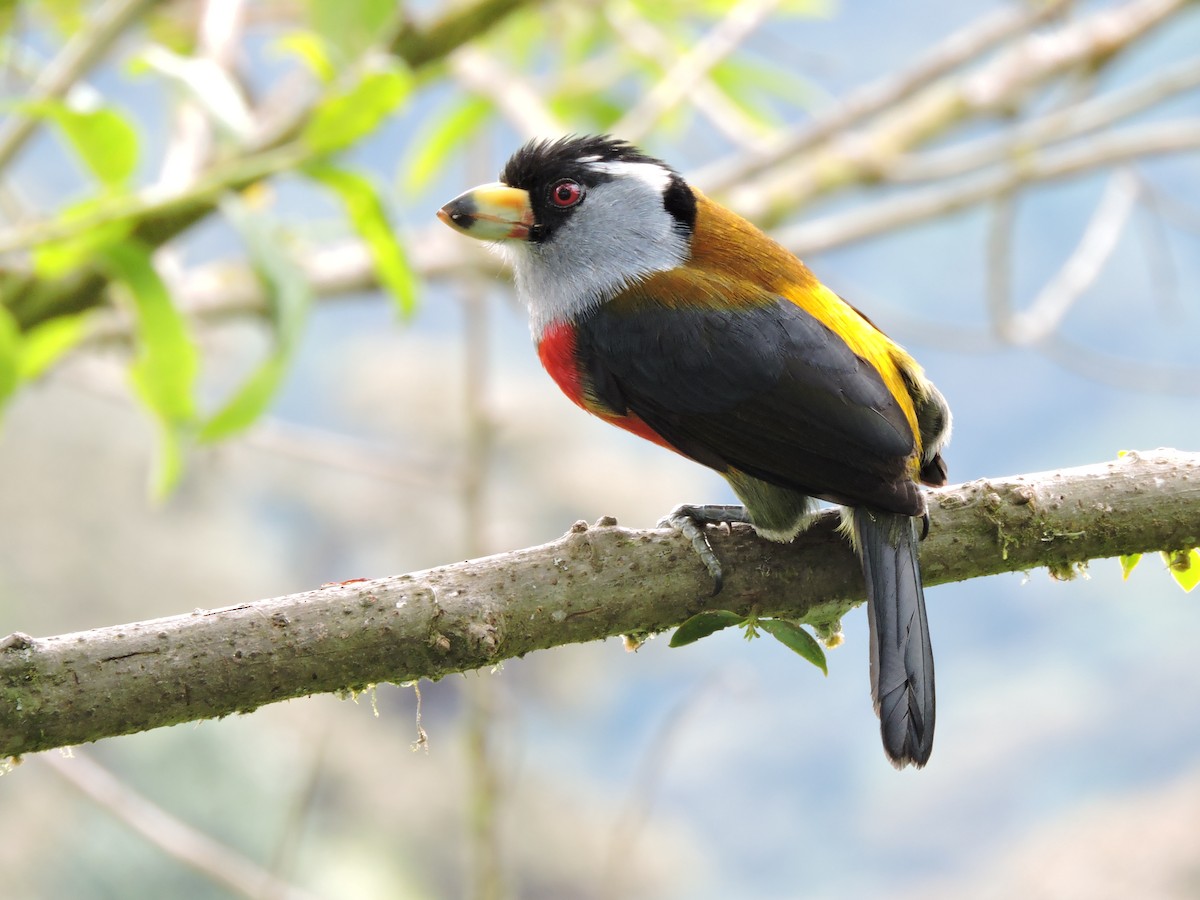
(901, 654)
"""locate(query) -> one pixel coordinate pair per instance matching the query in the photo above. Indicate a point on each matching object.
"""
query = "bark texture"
(592, 583)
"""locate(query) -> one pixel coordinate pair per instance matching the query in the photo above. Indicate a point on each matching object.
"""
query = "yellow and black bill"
(491, 212)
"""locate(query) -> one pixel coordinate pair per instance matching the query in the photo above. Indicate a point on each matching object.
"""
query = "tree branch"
(849, 157)
(423, 45)
(1089, 116)
(159, 218)
(1044, 315)
(590, 584)
(957, 177)
(82, 51)
(919, 205)
(959, 48)
(691, 69)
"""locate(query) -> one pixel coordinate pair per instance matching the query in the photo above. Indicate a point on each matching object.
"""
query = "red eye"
(566, 193)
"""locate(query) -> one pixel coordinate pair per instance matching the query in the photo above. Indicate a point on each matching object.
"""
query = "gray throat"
(620, 235)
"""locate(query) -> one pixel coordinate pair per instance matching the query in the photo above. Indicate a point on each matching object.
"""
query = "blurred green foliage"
(599, 74)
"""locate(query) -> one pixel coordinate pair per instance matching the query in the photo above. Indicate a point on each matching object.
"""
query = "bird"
(664, 313)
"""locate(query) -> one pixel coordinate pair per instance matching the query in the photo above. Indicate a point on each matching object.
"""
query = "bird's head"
(581, 218)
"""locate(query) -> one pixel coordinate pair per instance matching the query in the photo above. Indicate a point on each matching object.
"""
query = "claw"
(690, 521)
(694, 532)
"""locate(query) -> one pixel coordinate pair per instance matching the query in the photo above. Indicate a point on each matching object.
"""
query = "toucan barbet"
(666, 314)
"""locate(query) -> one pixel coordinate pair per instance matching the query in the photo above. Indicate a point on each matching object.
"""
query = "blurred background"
(242, 359)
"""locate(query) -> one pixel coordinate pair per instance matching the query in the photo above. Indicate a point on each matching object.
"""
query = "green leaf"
(249, 402)
(702, 625)
(436, 146)
(349, 27)
(597, 111)
(796, 638)
(164, 371)
(57, 258)
(8, 15)
(345, 117)
(67, 16)
(312, 50)
(1128, 564)
(103, 138)
(1184, 566)
(10, 355)
(45, 343)
(289, 297)
(366, 213)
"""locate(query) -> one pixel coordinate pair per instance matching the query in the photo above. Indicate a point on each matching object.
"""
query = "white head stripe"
(649, 173)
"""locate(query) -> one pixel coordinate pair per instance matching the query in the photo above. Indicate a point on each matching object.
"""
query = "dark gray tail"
(901, 655)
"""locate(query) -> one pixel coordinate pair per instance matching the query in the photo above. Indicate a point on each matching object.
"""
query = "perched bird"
(664, 313)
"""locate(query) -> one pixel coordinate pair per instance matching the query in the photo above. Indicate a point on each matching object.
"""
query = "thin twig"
(1001, 225)
(652, 771)
(189, 846)
(1073, 121)
(1081, 269)
(691, 68)
(153, 202)
(158, 220)
(920, 205)
(190, 146)
(1162, 269)
(416, 41)
(1122, 372)
(485, 786)
(518, 101)
(961, 47)
(103, 377)
(421, 43)
(287, 847)
(997, 85)
(81, 52)
(323, 447)
(1174, 210)
(706, 98)
(216, 291)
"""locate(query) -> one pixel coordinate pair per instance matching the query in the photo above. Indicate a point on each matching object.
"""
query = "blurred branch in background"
(704, 96)
(486, 788)
(894, 213)
(591, 584)
(868, 137)
(1043, 316)
(155, 218)
(691, 69)
(220, 864)
(960, 48)
(84, 50)
(375, 105)
(920, 112)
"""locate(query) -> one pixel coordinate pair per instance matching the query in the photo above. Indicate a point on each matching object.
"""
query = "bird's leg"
(690, 520)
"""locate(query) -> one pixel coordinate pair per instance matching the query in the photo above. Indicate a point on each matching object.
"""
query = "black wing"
(768, 390)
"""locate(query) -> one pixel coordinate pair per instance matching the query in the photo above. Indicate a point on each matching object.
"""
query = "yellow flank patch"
(867, 341)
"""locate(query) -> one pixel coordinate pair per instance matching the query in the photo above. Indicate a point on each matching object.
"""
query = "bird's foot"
(690, 520)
